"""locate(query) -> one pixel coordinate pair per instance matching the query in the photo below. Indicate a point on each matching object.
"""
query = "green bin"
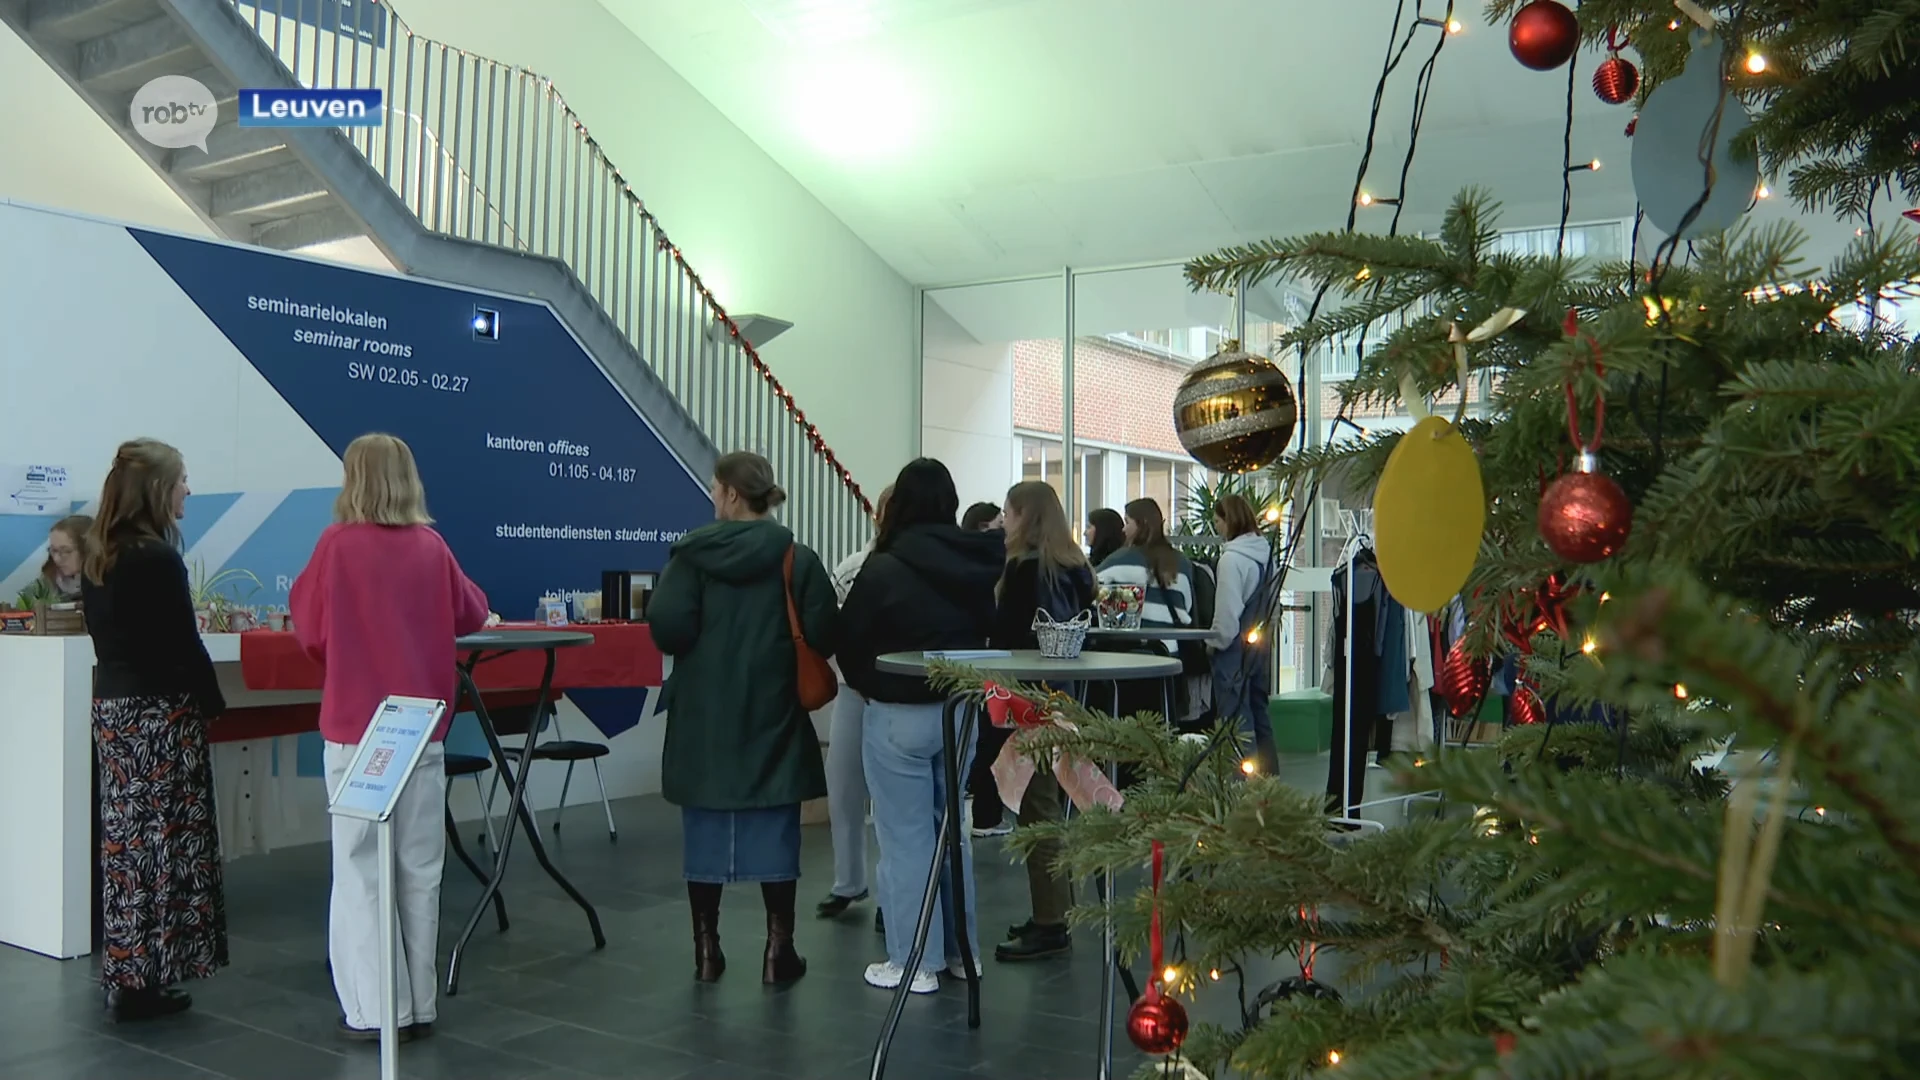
(1302, 721)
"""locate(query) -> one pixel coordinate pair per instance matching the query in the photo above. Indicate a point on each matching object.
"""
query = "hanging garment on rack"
(1357, 715)
(1395, 665)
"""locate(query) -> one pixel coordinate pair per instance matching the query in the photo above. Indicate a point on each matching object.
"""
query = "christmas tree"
(1590, 900)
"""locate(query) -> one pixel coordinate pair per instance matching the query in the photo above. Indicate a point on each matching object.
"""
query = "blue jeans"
(1240, 693)
(903, 751)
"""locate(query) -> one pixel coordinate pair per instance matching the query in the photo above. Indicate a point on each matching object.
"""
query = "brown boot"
(708, 961)
(783, 964)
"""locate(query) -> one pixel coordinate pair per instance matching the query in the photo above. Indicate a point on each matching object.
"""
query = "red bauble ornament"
(1544, 35)
(1616, 80)
(1157, 1024)
(1504, 1042)
(1462, 681)
(1585, 517)
(1526, 706)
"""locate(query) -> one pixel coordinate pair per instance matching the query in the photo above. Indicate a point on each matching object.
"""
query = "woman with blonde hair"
(162, 909)
(1045, 571)
(378, 606)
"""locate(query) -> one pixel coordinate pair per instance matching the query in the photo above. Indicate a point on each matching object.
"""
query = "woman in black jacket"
(927, 585)
(1046, 571)
(162, 905)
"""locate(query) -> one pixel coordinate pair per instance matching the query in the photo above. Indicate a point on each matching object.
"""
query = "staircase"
(480, 175)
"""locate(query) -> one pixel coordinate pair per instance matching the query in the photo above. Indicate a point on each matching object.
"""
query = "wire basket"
(1061, 640)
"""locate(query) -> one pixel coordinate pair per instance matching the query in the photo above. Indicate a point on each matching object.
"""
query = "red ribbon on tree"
(1157, 1023)
(1008, 709)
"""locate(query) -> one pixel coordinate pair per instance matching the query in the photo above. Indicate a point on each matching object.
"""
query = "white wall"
(759, 239)
(967, 406)
(55, 152)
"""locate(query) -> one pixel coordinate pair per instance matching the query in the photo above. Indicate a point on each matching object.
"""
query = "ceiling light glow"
(852, 108)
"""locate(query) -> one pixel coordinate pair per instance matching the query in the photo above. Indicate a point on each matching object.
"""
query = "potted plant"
(17, 617)
(217, 601)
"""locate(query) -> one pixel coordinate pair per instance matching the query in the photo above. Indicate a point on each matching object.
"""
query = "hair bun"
(775, 496)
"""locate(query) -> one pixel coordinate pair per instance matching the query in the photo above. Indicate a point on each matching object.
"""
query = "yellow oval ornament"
(1429, 512)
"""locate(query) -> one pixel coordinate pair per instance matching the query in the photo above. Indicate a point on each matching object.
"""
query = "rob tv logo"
(175, 111)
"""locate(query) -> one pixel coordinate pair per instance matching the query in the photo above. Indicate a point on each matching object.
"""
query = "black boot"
(708, 961)
(145, 1003)
(783, 964)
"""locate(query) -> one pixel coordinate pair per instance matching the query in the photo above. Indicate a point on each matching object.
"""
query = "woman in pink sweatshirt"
(378, 606)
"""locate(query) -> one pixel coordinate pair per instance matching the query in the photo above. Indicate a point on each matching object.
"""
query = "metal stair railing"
(490, 153)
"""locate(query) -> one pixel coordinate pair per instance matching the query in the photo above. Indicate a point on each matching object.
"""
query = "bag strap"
(793, 613)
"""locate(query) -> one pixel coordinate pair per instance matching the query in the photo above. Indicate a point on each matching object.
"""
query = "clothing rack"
(1360, 540)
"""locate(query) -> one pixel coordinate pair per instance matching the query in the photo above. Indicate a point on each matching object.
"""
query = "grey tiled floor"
(538, 1003)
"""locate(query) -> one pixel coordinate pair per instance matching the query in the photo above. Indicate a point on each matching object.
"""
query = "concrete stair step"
(126, 58)
(231, 151)
(267, 195)
(323, 226)
(73, 21)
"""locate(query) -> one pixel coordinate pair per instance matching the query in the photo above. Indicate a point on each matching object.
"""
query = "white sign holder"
(402, 728)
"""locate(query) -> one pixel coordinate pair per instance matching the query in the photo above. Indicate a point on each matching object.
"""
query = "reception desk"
(46, 797)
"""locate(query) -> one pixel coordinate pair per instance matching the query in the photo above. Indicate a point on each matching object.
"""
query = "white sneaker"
(1005, 828)
(886, 975)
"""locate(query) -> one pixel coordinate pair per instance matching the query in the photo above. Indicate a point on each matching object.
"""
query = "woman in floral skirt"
(163, 915)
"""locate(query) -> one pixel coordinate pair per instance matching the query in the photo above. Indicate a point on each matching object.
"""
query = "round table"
(477, 649)
(1153, 633)
(1023, 665)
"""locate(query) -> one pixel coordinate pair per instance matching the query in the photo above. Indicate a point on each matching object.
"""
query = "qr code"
(377, 764)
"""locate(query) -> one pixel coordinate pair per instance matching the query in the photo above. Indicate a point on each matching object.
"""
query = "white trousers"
(353, 919)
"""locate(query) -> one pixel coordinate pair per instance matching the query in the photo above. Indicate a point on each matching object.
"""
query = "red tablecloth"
(622, 655)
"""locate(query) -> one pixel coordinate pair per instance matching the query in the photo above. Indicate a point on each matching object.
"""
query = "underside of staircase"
(510, 219)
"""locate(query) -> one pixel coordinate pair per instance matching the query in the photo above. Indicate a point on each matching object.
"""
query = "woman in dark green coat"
(741, 754)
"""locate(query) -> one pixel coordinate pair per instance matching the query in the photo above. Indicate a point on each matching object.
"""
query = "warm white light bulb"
(1253, 636)
(1589, 646)
(1214, 974)
(1455, 26)
(1594, 164)
(1756, 64)
(1333, 1057)
(1249, 766)
(1764, 192)
(1273, 514)
(1680, 690)
(1366, 199)
(1170, 976)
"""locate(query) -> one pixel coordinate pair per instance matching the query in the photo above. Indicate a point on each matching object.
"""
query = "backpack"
(1205, 586)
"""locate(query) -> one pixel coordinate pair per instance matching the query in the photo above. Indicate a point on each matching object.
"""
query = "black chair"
(529, 721)
(472, 765)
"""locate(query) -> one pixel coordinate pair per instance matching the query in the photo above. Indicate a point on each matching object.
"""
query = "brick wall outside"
(1121, 395)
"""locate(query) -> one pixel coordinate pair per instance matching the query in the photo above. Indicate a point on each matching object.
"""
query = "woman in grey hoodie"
(846, 777)
(1241, 680)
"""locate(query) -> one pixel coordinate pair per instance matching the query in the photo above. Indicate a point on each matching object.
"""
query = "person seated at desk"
(379, 606)
(66, 557)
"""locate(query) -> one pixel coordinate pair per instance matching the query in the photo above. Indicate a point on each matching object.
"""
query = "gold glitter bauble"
(1234, 412)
